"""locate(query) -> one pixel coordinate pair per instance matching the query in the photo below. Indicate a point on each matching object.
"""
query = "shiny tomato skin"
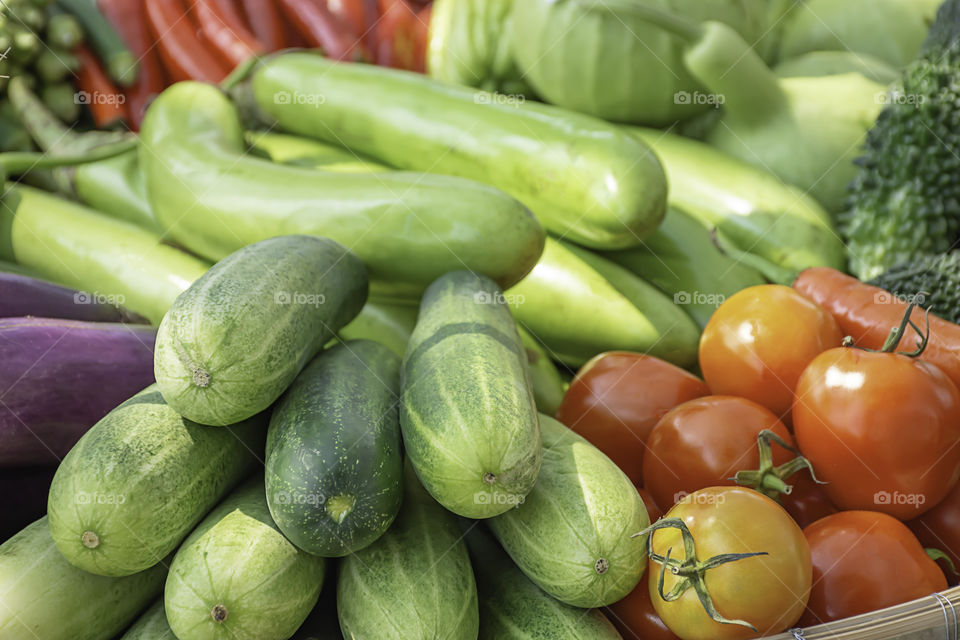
(939, 528)
(864, 561)
(616, 399)
(807, 502)
(758, 342)
(703, 443)
(636, 619)
(768, 591)
(883, 430)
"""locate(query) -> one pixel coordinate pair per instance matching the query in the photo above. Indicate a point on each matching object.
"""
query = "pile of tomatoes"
(829, 470)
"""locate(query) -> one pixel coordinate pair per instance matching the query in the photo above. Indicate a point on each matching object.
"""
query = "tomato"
(616, 399)
(807, 502)
(636, 619)
(882, 429)
(768, 591)
(863, 561)
(653, 510)
(758, 342)
(703, 443)
(939, 528)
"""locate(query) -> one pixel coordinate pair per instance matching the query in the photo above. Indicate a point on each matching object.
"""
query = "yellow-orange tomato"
(759, 341)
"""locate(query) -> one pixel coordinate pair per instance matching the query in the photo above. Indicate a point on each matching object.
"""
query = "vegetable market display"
(390, 319)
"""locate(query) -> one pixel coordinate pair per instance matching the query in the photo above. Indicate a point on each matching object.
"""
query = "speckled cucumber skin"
(513, 608)
(334, 459)
(152, 625)
(236, 565)
(571, 536)
(467, 410)
(236, 339)
(141, 479)
(415, 581)
(43, 597)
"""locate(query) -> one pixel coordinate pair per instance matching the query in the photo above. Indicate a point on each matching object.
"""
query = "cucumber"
(152, 625)
(236, 577)
(415, 581)
(387, 322)
(236, 339)
(322, 623)
(334, 462)
(135, 484)
(513, 608)
(571, 536)
(467, 410)
(548, 387)
(584, 178)
(44, 597)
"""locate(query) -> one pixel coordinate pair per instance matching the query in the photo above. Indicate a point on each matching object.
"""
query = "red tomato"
(616, 399)
(703, 443)
(769, 591)
(758, 342)
(882, 429)
(807, 502)
(863, 561)
(654, 511)
(636, 619)
(939, 528)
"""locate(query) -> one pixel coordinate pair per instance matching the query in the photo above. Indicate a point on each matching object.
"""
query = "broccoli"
(936, 278)
(905, 200)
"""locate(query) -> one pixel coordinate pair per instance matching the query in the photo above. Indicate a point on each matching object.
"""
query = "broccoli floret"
(931, 280)
(905, 200)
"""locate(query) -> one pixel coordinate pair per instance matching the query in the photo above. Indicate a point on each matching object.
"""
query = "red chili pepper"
(265, 21)
(181, 50)
(395, 40)
(127, 17)
(224, 30)
(322, 29)
(106, 103)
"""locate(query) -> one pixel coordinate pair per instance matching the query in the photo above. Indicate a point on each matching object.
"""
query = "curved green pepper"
(578, 304)
(407, 228)
(682, 261)
(583, 178)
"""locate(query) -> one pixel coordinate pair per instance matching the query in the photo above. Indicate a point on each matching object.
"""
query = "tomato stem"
(935, 554)
(769, 479)
(896, 334)
(691, 570)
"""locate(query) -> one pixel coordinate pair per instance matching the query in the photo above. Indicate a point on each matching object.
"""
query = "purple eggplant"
(23, 497)
(22, 295)
(59, 377)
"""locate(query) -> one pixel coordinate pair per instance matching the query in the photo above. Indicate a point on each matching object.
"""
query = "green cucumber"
(236, 339)
(307, 152)
(513, 608)
(387, 322)
(571, 535)
(43, 597)
(152, 625)
(583, 178)
(134, 485)
(548, 387)
(467, 410)
(236, 577)
(682, 260)
(415, 581)
(578, 305)
(334, 462)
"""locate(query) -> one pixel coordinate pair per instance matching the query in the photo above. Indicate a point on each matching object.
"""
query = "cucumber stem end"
(219, 613)
(90, 540)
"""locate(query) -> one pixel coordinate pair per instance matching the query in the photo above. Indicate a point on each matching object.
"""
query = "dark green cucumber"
(134, 485)
(468, 415)
(152, 625)
(334, 462)
(236, 339)
(415, 581)
(571, 535)
(682, 260)
(583, 178)
(237, 578)
(43, 597)
(513, 608)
